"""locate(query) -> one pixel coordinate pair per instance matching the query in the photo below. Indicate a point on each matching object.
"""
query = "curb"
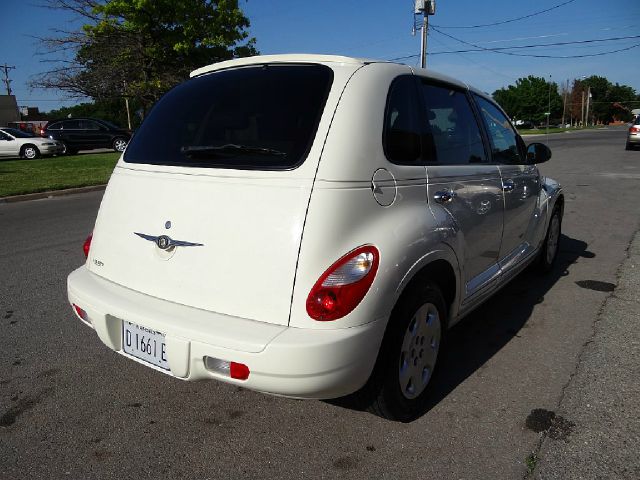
(52, 193)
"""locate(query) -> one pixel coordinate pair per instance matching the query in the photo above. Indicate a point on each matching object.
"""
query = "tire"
(551, 245)
(67, 151)
(119, 144)
(628, 146)
(29, 152)
(398, 388)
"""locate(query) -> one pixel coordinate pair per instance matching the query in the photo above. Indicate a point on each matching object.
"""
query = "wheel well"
(442, 274)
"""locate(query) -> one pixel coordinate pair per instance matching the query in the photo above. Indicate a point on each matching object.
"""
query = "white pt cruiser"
(310, 226)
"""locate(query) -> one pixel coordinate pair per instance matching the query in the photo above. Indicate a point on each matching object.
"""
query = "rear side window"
(401, 135)
(54, 126)
(453, 132)
(71, 125)
(258, 117)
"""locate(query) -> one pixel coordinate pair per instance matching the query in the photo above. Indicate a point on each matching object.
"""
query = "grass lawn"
(543, 130)
(55, 173)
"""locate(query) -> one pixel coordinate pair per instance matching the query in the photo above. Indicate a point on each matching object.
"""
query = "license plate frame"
(144, 344)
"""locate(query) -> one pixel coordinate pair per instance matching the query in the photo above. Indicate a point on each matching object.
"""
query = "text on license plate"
(145, 344)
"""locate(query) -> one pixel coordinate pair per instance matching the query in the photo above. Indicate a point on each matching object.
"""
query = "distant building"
(8, 110)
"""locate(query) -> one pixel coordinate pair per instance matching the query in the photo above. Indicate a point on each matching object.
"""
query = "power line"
(507, 21)
(556, 44)
(502, 49)
(468, 59)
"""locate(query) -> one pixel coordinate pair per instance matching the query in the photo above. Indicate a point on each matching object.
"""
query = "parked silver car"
(16, 143)
(633, 137)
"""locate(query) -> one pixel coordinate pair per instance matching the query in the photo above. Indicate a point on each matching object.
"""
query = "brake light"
(343, 286)
(87, 246)
(634, 129)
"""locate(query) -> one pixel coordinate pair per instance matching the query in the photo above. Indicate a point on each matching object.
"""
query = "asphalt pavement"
(540, 382)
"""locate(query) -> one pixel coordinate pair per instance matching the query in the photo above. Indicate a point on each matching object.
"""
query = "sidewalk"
(51, 193)
(600, 406)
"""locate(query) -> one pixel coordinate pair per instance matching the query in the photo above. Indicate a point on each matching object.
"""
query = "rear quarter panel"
(343, 213)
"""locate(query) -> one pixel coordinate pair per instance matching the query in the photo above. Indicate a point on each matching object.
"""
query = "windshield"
(18, 133)
(258, 117)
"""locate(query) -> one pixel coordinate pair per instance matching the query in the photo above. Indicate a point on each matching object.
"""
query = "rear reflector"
(239, 371)
(81, 313)
(87, 245)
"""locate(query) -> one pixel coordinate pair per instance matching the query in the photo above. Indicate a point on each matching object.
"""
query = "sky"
(382, 29)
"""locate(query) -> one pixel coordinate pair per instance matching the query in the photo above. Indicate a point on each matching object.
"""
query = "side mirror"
(538, 153)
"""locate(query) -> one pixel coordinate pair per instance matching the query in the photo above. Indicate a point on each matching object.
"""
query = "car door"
(464, 187)
(520, 183)
(72, 134)
(95, 135)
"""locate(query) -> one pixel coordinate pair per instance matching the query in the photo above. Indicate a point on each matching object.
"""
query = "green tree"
(607, 103)
(142, 48)
(530, 98)
(112, 110)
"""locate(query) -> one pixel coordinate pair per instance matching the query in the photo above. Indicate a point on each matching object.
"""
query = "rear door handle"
(444, 196)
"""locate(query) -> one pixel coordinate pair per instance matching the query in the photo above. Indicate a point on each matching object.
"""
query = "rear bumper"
(301, 363)
(51, 149)
(635, 139)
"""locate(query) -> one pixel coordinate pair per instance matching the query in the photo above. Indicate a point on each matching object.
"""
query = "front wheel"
(119, 144)
(550, 247)
(30, 152)
(399, 385)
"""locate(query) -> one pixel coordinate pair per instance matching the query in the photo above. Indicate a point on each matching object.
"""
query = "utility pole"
(588, 97)
(564, 104)
(582, 118)
(6, 80)
(424, 8)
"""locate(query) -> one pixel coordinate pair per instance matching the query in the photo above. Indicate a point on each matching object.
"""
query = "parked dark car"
(86, 134)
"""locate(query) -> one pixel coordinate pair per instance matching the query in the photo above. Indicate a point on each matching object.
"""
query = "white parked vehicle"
(310, 226)
(16, 143)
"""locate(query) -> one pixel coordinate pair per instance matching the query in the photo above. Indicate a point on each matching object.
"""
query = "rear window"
(261, 117)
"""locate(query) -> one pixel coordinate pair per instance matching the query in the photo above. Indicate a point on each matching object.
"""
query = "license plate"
(145, 344)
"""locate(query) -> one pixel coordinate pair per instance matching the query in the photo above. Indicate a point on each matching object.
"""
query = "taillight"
(634, 129)
(87, 246)
(343, 286)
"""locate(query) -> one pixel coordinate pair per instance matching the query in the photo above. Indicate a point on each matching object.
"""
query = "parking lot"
(71, 408)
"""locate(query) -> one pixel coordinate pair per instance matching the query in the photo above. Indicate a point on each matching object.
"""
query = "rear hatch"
(207, 206)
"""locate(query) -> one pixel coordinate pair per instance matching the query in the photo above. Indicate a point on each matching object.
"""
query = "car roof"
(324, 59)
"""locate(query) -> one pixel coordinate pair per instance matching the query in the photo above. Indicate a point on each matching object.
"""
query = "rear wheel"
(119, 144)
(30, 152)
(399, 385)
(628, 146)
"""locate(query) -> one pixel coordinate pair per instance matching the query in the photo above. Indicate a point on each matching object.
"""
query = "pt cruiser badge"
(165, 243)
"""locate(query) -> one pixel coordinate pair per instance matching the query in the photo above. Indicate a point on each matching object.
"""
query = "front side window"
(18, 133)
(261, 117)
(453, 136)
(503, 138)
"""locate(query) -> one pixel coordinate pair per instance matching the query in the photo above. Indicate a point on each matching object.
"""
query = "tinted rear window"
(259, 117)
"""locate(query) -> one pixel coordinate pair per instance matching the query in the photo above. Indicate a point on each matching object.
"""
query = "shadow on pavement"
(477, 338)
